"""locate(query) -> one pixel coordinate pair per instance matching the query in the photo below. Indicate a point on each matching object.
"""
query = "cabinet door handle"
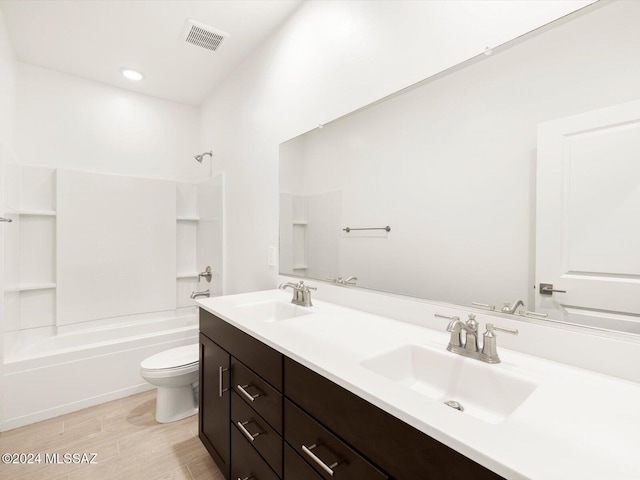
(250, 436)
(316, 459)
(251, 398)
(221, 390)
(247, 478)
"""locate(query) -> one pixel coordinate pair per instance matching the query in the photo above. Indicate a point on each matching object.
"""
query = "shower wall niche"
(86, 248)
(30, 256)
(198, 238)
(310, 233)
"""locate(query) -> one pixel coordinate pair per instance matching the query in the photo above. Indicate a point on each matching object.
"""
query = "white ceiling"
(93, 39)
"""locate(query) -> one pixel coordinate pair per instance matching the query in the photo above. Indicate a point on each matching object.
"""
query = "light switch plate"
(272, 257)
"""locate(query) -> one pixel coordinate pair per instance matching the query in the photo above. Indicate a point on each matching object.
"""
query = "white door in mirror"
(588, 218)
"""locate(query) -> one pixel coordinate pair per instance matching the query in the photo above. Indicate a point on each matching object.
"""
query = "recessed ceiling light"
(131, 74)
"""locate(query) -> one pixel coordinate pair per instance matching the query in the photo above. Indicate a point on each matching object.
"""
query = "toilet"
(175, 373)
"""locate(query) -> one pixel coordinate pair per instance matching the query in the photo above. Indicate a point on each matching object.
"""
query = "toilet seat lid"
(173, 358)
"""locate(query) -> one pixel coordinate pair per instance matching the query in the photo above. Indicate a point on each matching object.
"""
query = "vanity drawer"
(262, 397)
(245, 461)
(295, 468)
(326, 453)
(261, 358)
(397, 447)
(268, 443)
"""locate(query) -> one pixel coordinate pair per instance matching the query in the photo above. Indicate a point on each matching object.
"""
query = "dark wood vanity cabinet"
(396, 447)
(240, 419)
(277, 419)
(215, 409)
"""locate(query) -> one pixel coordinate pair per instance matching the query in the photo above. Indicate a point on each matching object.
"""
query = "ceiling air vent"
(202, 35)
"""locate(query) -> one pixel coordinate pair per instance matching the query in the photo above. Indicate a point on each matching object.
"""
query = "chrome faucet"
(511, 308)
(301, 293)
(204, 293)
(471, 337)
(470, 346)
(455, 328)
(340, 281)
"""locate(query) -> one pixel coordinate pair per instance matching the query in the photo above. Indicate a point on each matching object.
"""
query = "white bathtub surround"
(35, 343)
(116, 246)
(123, 238)
(570, 422)
(85, 246)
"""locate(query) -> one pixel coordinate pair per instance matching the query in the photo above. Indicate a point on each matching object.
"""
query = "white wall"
(66, 121)
(7, 85)
(329, 59)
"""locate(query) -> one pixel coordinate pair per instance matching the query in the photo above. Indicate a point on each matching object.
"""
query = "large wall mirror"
(521, 165)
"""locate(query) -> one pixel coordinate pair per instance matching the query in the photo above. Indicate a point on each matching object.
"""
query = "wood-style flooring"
(128, 441)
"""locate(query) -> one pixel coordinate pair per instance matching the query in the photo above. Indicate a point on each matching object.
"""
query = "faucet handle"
(489, 349)
(455, 340)
(486, 306)
(305, 288)
(207, 274)
(491, 328)
(526, 313)
(452, 321)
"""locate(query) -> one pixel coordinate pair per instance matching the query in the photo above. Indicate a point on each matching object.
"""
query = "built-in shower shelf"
(188, 219)
(300, 267)
(300, 222)
(187, 275)
(38, 213)
(29, 286)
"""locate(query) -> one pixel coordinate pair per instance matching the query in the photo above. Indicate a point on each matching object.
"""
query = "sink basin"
(485, 391)
(271, 311)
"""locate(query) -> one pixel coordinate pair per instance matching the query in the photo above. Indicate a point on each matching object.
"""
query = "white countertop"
(575, 425)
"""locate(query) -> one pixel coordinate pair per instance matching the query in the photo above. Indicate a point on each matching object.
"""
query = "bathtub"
(47, 373)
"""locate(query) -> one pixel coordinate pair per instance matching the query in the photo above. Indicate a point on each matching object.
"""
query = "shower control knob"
(206, 274)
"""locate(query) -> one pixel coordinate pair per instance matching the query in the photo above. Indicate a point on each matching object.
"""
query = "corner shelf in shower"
(300, 222)
(300, 267)
(188, 219)
(29, 286)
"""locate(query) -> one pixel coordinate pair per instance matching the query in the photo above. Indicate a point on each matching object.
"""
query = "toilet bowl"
(175, 373)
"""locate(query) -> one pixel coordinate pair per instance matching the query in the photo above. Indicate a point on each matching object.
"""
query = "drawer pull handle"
(250, 436)
(221, 390)
(242, 390)
(316, 459)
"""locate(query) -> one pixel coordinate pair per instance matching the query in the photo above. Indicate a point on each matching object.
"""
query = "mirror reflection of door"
(588, 218)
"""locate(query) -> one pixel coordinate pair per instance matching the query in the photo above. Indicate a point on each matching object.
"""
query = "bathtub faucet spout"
(204, 293)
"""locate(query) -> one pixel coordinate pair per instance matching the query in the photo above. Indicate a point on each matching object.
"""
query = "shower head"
(201, 156)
